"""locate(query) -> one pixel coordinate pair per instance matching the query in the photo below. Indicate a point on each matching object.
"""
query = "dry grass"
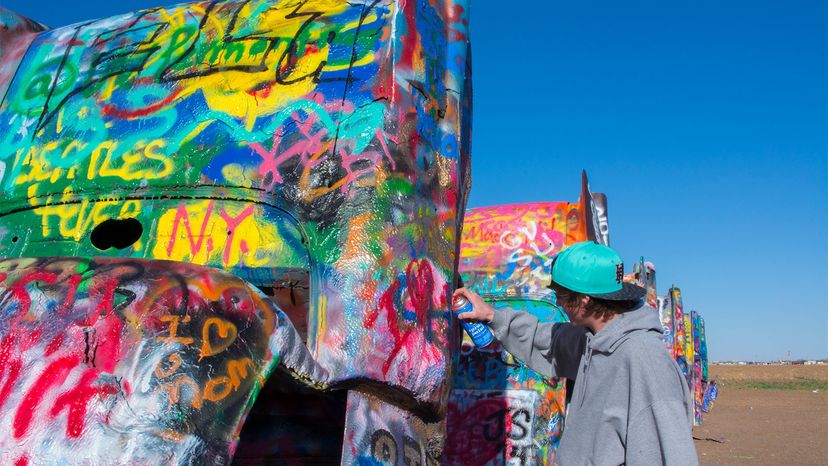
(771, 377)
(766, 415)
(770, 372)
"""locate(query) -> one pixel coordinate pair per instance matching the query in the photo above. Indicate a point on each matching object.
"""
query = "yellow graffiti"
(245, 87)
(74, 220)
(321, 313)
(205, 233)
(487, 231)
(145, 160)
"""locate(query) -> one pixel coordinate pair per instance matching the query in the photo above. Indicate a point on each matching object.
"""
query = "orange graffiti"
(173, 336)
(218, 388)
(225, 331)
(175, 361)
(174, 389)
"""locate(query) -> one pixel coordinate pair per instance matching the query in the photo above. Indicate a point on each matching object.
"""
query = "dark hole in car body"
(116, 233)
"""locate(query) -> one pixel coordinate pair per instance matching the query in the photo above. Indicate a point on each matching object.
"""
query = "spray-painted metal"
(702, 349)
(116, 361)
(689, 350)
(501, 411)
(665, 314)
(317, 150)
(684, 335)
(379, 433)
(644, 275)
(697, 390)
(682, 329)
(689, 347)
(710, 395)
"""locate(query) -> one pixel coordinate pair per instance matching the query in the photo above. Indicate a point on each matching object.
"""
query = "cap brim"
(628, 292)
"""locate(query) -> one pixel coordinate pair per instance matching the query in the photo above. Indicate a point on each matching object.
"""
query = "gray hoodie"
(631, 404)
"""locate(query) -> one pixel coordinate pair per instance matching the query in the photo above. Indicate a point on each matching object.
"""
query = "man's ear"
(585, 299)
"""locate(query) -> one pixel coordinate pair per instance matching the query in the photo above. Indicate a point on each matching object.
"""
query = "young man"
(631, 404)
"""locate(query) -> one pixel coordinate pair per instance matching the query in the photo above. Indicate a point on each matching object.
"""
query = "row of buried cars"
(684, 337)
(230, 231)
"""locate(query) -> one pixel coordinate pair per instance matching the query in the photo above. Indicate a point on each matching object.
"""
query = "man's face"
(571, 303)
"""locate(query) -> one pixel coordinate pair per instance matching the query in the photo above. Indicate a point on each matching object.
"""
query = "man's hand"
(481, 311)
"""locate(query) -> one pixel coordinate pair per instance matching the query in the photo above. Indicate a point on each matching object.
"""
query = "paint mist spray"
(480, 334)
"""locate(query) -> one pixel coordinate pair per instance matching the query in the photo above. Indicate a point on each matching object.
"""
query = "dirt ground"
(766, 415)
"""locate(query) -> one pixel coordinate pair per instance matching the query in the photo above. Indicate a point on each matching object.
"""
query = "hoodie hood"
(618, 330)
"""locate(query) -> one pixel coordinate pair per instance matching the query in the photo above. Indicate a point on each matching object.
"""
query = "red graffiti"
(104, 289)
(420, 280)
(12, 373)
(54, 375)
(9, 369)
(53, 346)
(479, 433)
(77, 399)
(456, 15)
(72, 290)
(19, 288)
(386, 303)
(419, 284)
(111, 110)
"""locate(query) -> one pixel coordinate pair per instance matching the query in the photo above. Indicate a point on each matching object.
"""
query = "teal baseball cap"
(594, 270)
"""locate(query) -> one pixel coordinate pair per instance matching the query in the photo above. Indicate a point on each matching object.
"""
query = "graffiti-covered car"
(231, 210)
(500, 410)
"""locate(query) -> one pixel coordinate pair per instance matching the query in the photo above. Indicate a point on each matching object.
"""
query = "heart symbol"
(225, 332)
(479, 430)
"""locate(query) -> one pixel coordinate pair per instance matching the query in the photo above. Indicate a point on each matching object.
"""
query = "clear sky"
(704, 123)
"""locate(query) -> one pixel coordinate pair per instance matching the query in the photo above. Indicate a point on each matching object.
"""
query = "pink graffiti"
(313, 145)
(477, 434)
(195, 246)
(181, 215)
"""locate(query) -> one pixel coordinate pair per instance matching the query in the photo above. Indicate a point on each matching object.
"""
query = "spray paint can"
(480, 334)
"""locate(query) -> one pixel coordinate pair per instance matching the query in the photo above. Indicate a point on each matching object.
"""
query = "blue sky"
(704, 122)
